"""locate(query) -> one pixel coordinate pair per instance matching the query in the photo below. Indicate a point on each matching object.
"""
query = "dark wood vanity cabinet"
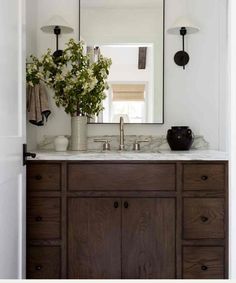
(148, 238)
(114, 238)
(129, 220)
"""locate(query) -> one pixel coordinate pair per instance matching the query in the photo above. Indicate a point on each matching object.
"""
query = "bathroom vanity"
(127, 215)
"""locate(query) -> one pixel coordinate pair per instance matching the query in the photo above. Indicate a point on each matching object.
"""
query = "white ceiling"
(122, 3)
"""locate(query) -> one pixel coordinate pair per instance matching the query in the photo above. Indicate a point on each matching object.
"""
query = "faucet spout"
(122, 134)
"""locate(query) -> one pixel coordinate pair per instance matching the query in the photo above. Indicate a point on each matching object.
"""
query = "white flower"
(77, 78)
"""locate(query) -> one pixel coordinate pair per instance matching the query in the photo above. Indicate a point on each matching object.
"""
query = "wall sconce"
(182, 26)
(57, 25)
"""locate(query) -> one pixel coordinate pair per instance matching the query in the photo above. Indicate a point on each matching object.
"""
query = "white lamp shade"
(183, 22)
(57, 21)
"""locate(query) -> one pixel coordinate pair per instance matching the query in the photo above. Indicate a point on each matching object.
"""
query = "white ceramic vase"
(79, 133)
(61, 143)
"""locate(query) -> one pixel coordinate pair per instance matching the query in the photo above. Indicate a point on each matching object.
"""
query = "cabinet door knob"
(204, 267)
(38, 267)
(38, 177)
(38, 218)
(204, 177)
(204, 219)
(116, 204)
(126, 204)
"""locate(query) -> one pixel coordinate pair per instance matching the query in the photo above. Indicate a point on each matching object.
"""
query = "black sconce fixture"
(182, 27)
(57, 25)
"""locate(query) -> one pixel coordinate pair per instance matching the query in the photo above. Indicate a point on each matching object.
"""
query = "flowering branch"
(78, 83)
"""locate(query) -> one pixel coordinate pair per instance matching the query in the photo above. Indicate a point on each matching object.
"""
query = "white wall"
(195, 97)
(38, 13)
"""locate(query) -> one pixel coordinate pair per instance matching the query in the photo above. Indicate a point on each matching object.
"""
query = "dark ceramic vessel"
(180, 138)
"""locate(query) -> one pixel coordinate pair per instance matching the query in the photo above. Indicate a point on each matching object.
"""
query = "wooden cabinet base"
(43, 263)
(203, 263)
(145, 220)
(94, 237)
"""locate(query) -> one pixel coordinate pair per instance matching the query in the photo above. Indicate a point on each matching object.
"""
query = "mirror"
(131, 33)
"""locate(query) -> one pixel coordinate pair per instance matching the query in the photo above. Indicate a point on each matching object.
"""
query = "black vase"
(180, 138)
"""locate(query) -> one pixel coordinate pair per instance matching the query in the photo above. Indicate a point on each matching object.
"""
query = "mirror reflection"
(130, 32)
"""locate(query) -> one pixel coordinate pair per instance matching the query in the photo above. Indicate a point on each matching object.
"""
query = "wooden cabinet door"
(94, 238)
(148, 238)
(43, 262)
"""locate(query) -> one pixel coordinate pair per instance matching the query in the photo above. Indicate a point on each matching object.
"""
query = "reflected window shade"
(128, 92)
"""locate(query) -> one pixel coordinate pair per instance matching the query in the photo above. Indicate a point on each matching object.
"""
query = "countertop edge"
(195, 155)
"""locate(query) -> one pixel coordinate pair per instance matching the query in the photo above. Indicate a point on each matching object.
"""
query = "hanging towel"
(37, 105)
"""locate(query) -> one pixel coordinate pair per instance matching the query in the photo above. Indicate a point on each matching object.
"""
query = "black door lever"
(27, 154)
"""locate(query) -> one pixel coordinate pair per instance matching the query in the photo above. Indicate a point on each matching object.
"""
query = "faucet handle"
(106, 143)
(136, 145)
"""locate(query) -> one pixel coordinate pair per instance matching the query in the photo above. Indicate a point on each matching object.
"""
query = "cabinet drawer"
(43, 263)
(44, 177)
(43, 216)
(204, 177)
(203, 263)
(139, 177)
(203, 218)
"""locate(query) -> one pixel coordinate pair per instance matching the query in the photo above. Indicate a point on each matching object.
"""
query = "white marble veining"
(154, 144)
(197, 155)
(156, 149)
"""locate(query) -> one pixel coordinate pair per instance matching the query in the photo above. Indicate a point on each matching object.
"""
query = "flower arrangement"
(79, 84)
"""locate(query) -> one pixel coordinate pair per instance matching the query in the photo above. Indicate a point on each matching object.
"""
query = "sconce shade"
(183, 22)
(57, 21)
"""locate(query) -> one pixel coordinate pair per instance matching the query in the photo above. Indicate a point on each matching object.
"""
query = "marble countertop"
(197, 155)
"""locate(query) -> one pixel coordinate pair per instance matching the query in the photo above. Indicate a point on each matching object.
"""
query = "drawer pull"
(38, 267)
(204, 267)
(38, 218)
(126, 204)
(204, 219)
(204, 178)
(38, 177)
(116, 204)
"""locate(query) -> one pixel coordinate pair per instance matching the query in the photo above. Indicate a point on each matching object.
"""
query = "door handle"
(27, 154)
(126, 204)
(116, 204)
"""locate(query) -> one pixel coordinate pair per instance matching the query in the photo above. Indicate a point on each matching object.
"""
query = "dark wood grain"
(226, 222)
(43, 263)
(94, 239)
(64, 222)
(204, 242)
(148, 239)
(44, 242)
(43, 217)
(121, 177)
(179, 220)
(204, 194)
(44, 177)
(203, 218)
(112, 194)
(203, 263)
(204, 177)
(148, 184)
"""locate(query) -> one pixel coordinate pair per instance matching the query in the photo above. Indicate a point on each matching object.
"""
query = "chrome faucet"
(122, 134)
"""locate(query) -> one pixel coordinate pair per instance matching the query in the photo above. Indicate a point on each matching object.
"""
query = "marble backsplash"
(154, 144)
